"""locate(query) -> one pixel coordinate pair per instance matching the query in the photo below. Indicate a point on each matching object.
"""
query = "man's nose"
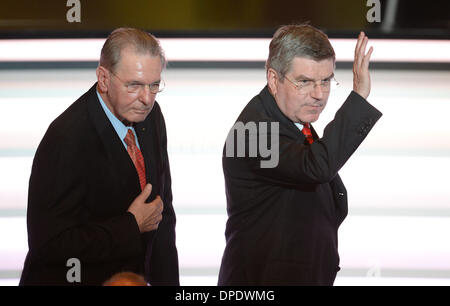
(317, 92)
(145, 95)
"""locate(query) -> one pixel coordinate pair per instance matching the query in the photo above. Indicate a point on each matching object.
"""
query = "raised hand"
(361, 75)
(148, 215)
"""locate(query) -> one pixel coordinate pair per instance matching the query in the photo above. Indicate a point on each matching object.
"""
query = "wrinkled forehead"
(131, 58)
(311, 68)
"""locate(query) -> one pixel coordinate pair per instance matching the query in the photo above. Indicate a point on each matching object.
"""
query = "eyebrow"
(304, 77)
(140, 83)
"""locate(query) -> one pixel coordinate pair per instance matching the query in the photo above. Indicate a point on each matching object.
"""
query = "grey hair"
(298, 40)
(121, 38)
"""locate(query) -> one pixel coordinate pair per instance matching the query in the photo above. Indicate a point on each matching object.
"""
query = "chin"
(137, 118)
(309, 119)
(314, 117)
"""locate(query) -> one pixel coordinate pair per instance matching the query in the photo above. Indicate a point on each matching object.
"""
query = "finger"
(358, 42)
(157, 219)
(363, 47)
(146, 192)
(154, 227)
(154, 222)
(158, 204)
(367, 58)
(357, 59)
(362, 51)
(158, 208)
(157, 200)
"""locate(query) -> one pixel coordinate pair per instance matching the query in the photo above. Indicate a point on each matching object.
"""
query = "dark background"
(225, 18)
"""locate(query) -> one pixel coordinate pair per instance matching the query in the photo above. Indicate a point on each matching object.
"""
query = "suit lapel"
(314, 134)
(118, 158)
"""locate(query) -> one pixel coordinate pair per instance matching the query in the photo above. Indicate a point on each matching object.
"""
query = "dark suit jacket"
(81, 185)
(283, 221)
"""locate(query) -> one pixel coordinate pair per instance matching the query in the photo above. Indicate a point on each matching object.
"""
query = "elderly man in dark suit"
(284, 213)
(100, 199)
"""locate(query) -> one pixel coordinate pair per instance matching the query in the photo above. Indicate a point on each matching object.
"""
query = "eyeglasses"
(306, 86)
(136, 87)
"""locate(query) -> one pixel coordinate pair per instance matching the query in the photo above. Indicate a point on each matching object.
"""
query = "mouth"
(315, 109)
(141, 111)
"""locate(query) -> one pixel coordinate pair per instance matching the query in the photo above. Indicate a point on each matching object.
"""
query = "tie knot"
(306, 129)
(307, 132)
(129, 139)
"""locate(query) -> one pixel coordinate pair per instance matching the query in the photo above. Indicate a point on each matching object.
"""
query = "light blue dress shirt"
(299, 125)
(120, 128)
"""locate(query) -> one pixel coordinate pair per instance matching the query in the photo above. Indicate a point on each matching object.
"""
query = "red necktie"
(307, 132)
(136, 157)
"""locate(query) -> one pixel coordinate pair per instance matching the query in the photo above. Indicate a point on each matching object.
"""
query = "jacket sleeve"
(59, 224)
(321, 161)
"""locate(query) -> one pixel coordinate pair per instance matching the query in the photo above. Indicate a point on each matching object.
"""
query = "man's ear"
(272, 80)
(102, 78)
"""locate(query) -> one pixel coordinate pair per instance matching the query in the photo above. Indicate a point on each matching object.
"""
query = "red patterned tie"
(307, 132)
(136, 157)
